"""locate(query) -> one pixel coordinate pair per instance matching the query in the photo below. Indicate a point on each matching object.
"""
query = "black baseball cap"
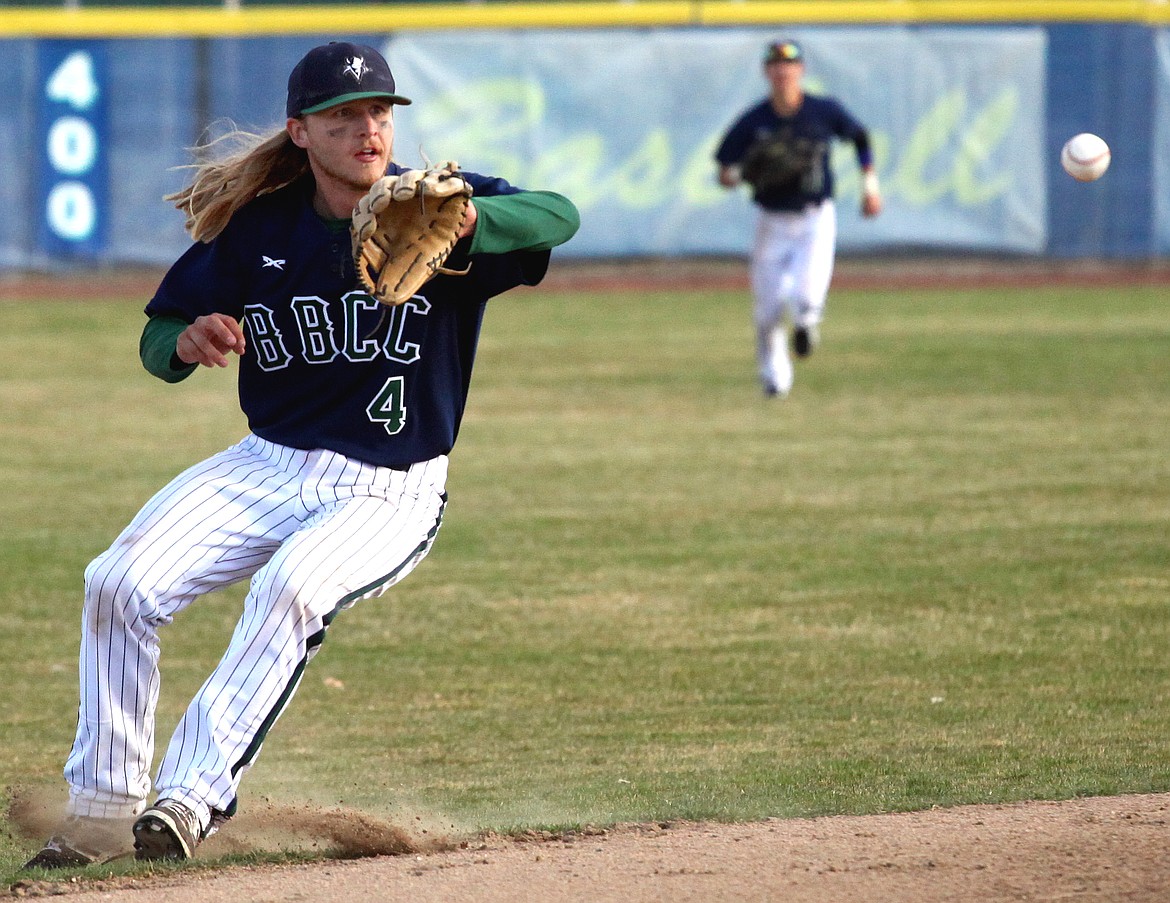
(338, 72)
(783, 52)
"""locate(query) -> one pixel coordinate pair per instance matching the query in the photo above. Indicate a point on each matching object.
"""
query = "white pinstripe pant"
(315, 531)
(791, 268)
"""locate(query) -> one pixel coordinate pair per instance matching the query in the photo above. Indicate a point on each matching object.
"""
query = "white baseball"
(1085, 157)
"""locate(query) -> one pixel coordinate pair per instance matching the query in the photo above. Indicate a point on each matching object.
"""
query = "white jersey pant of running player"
(791, 267)
(314, 530)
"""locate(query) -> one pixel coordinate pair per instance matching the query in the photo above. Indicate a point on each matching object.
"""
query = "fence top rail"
(239, 18)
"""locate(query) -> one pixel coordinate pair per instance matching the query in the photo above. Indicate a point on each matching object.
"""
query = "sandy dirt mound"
(1102, 849)
(336, 833)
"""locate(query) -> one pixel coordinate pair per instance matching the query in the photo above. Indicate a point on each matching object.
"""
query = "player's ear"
(296, 131)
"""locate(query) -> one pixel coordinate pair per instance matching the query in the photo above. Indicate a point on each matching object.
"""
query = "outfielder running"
(780, 147)
(339, 489)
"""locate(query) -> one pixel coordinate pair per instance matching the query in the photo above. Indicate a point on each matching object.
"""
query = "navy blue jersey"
(814, 126)
(326, 366)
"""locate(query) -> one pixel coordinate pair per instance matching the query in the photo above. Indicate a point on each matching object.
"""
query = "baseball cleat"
(167, 830)
(805, 339)
(58, 853)
(81, 841)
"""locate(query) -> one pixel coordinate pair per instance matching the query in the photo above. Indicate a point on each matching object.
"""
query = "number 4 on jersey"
(387, 407)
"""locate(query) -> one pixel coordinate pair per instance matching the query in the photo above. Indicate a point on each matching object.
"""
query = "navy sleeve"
(206, 279)
(845, 124)
(849, 128)
(736, 140)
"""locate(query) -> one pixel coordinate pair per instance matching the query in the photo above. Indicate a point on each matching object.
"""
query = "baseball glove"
(404, 228)
(780, 162)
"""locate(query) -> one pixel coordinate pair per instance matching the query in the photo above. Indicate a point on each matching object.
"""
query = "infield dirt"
(1099, 849)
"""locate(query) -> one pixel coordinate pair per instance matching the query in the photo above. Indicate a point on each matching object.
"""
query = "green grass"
(937, 574)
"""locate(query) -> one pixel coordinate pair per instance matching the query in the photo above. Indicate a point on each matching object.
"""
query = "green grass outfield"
(938, 574)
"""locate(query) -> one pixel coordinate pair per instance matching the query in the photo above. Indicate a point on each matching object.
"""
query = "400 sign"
(74, 170)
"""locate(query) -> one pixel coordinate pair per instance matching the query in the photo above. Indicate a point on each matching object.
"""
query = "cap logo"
(356, 66)
(783, 52)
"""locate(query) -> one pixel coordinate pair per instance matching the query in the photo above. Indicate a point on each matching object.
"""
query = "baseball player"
(780, 147)
(338, 490)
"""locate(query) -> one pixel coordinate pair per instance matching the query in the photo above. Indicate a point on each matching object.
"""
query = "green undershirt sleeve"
(528, 221)
(156, 348)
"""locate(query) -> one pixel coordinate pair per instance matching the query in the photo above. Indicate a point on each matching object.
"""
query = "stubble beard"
(343, 177)
(360, 184)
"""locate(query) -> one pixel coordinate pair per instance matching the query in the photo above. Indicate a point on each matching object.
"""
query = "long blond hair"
(232, 170)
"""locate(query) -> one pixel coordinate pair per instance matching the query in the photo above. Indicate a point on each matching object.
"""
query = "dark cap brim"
(356, 95)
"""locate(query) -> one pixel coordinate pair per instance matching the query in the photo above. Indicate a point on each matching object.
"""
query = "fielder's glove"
(779, 162)
(404, 228)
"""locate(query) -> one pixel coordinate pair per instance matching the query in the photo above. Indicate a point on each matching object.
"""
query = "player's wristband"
(869, 183)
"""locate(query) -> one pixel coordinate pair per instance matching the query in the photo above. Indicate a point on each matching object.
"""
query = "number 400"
(72, 144)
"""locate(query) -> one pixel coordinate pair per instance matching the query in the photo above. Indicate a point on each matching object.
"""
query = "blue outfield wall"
(1106, 80)
(967, 122)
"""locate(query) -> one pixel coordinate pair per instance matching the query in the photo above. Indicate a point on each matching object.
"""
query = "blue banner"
(626, 123)
(72, 80)
(966, 121)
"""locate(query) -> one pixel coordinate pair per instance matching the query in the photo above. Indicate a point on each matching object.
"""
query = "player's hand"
(730, 176)
(208, 340)
(871, 204)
